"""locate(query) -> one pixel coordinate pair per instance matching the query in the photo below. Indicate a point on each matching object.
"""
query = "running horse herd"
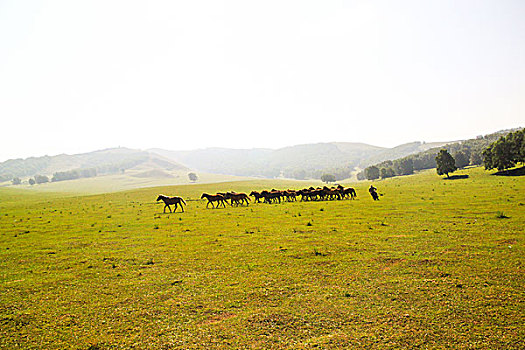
(269, 197)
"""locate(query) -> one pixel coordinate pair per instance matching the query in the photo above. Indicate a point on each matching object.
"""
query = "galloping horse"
(271, 196)
(238, 198)
(171, 200)
(347, 192)
(350, 191)
(214, 198)
(257, 196)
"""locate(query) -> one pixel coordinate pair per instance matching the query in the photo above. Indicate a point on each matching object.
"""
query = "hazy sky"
(77, 76)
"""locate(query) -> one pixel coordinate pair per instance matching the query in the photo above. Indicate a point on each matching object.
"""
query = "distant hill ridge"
(304, 161)
(298, 162)
(107, 161)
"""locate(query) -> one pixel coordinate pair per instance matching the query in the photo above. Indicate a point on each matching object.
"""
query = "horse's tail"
(182, 200)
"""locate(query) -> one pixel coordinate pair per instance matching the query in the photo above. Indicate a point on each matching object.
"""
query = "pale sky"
(77, 76)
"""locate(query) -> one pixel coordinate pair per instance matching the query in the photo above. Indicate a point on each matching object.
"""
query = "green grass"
(430, 265)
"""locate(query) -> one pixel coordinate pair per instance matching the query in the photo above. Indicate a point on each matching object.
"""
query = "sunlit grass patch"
(113, 271)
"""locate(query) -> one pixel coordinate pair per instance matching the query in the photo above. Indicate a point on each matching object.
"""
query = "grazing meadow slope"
(433, 264)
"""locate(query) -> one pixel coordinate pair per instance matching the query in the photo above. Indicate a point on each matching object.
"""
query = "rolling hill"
(307, 161)
(299, 162)
(103, 162)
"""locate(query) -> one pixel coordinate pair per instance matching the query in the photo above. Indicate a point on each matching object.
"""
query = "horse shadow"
(456, 177)
(511, 172)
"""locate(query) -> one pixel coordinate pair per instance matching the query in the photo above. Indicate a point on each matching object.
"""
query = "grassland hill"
(298, 162)
(103, 162)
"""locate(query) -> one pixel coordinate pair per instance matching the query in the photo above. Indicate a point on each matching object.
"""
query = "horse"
(238, 198)
(171, 200)
(350, 191)
(214, 198)
(345, 192)
(257, 196)
(306, 194)
(331, 193)
(271, 197)
(290, 195)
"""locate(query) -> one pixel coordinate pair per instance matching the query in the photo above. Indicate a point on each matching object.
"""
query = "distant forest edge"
(472, 152)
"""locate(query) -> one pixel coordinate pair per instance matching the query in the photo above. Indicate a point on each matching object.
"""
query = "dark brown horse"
(272, 196)
(351, 192)
(257, 196)
(290, 195)
(171, 201)
(219, 198)
(238, 198)
(347, 192)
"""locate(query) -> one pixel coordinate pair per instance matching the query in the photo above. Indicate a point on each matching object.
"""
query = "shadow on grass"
(456, 177)
(511, 172)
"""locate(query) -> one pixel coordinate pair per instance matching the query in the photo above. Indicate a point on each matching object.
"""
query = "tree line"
(505, 153)
(500, 150)
(103, 169)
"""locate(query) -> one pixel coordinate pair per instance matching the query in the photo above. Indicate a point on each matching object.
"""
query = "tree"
(461, 159)
(517, 144)
(40, 179)
(502, 157)
(16, 181)
(327, 178)
(372, 173)
(445, 163)
(404, 166)
(387, 172)
(32, 181)
(193, 177)
(506, 152)
(299, 174)
(487, 157)
(476, 159)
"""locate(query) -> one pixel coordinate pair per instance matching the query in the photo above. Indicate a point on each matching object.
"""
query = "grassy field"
(435, 264)
(132, 179)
